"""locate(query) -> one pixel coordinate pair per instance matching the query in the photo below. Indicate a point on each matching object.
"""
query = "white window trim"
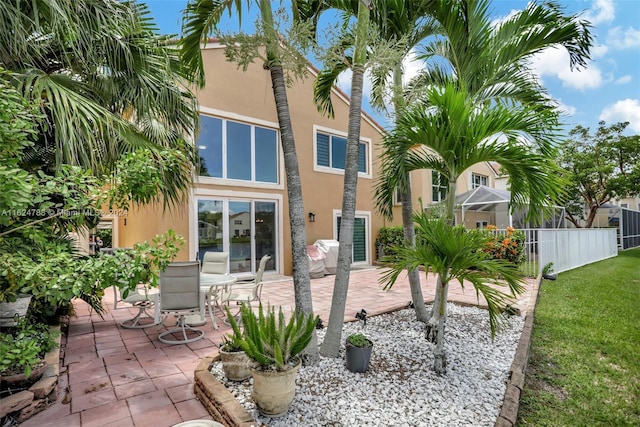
(231, 195)
(324, 169)
(439, 186)
(359, 214)
(471, 183)
(226, 115)
(396, 199)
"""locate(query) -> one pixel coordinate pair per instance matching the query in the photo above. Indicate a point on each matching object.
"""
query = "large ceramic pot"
(11, 311)
(236, 365)
(358, 357)
(273, 391)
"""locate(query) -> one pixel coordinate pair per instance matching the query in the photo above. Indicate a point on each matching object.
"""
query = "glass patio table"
(210, 286)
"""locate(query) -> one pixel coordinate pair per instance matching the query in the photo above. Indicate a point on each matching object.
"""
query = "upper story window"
(478, 180)
(439, 185)
(331, 150)
(235, 150)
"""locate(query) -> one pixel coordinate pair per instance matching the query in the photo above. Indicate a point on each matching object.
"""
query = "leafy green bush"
(24, 347)
(388, 239)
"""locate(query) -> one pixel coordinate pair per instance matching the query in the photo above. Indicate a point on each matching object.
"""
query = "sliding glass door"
(244, 228)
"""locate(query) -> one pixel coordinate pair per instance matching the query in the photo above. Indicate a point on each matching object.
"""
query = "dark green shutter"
(359, 239)
(362, 158)
(322, 149)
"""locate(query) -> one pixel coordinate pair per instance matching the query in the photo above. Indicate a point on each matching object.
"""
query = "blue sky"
(608, 89)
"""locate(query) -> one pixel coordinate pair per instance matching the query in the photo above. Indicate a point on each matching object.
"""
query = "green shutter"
(359, 239)
(362, 157)
(322, 149)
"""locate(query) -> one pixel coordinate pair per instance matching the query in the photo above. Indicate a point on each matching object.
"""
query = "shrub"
(24, 347)
(388, 239)
(508, 245)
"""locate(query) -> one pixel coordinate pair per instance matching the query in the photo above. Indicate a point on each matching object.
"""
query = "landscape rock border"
(26, 403)
(509, 411)
(224, 408)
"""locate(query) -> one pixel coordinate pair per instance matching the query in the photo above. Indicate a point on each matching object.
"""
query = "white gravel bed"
(400, 387)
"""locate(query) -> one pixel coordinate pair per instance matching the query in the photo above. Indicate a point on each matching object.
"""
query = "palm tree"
(104, 81)
(201, 18)
(358, 38)
(456, 254)
(479, 102)
(405, 24)
(400, 19)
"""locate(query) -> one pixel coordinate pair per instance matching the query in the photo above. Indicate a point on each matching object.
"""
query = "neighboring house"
(239, 200)
(632, 203)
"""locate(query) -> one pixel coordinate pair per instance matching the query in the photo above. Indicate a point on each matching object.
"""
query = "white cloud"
(344, 83)
(411, 66)
(624, 39)
(627, 110)
(623, 80)
(565, 109)
(601, 11)
(599, 50)
(555, 62)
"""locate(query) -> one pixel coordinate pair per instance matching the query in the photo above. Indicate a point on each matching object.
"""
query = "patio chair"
(143, 299)
(215, 263)
(180, 295)
(246, 291)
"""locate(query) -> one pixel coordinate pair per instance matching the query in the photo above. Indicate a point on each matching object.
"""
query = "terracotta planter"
(10, 311)
(236, 365)
(358, 357)
(273, 391)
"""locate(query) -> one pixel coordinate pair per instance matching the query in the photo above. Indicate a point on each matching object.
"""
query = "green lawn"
(584, 365)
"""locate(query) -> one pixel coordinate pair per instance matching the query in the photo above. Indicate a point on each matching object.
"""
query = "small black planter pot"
(358, 357)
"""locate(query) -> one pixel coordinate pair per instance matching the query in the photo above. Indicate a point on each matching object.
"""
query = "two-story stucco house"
(239, 201)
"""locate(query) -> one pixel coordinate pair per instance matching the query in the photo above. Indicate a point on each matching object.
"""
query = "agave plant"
(269, 339)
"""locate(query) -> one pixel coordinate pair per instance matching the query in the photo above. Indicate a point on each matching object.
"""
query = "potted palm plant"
(359, 349)
(274, 344)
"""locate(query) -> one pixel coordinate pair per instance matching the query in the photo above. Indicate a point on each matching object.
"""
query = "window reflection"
(251, 151)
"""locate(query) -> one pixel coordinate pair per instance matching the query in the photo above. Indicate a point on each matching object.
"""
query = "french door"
(244, 228)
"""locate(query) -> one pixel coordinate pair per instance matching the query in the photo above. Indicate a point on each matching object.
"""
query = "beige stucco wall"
(248, 96)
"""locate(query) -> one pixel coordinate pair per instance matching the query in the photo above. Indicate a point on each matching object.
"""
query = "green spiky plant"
(270, 340)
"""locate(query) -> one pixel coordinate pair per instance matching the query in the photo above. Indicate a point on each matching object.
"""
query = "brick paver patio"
(112, 376)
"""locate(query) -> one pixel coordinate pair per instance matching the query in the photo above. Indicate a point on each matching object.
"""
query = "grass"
(584, 365)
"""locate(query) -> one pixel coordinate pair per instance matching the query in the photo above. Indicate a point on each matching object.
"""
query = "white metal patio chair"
(241, 292)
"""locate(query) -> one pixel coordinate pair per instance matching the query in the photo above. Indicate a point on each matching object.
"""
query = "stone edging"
(40, 395)
(511, 403)
(225, 409)
(214, 396)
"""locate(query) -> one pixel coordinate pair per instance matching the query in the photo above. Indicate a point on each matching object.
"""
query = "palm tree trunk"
(433, 325)
(301, 280)
(407, 212)
(331, 343)
(440, 357)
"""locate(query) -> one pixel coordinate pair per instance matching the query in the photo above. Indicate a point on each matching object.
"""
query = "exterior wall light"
(312, 217)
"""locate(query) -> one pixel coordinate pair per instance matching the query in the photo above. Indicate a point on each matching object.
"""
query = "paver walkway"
(112, 376)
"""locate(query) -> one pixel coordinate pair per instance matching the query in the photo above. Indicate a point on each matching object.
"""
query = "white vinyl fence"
(571, 248)
(567, 248)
